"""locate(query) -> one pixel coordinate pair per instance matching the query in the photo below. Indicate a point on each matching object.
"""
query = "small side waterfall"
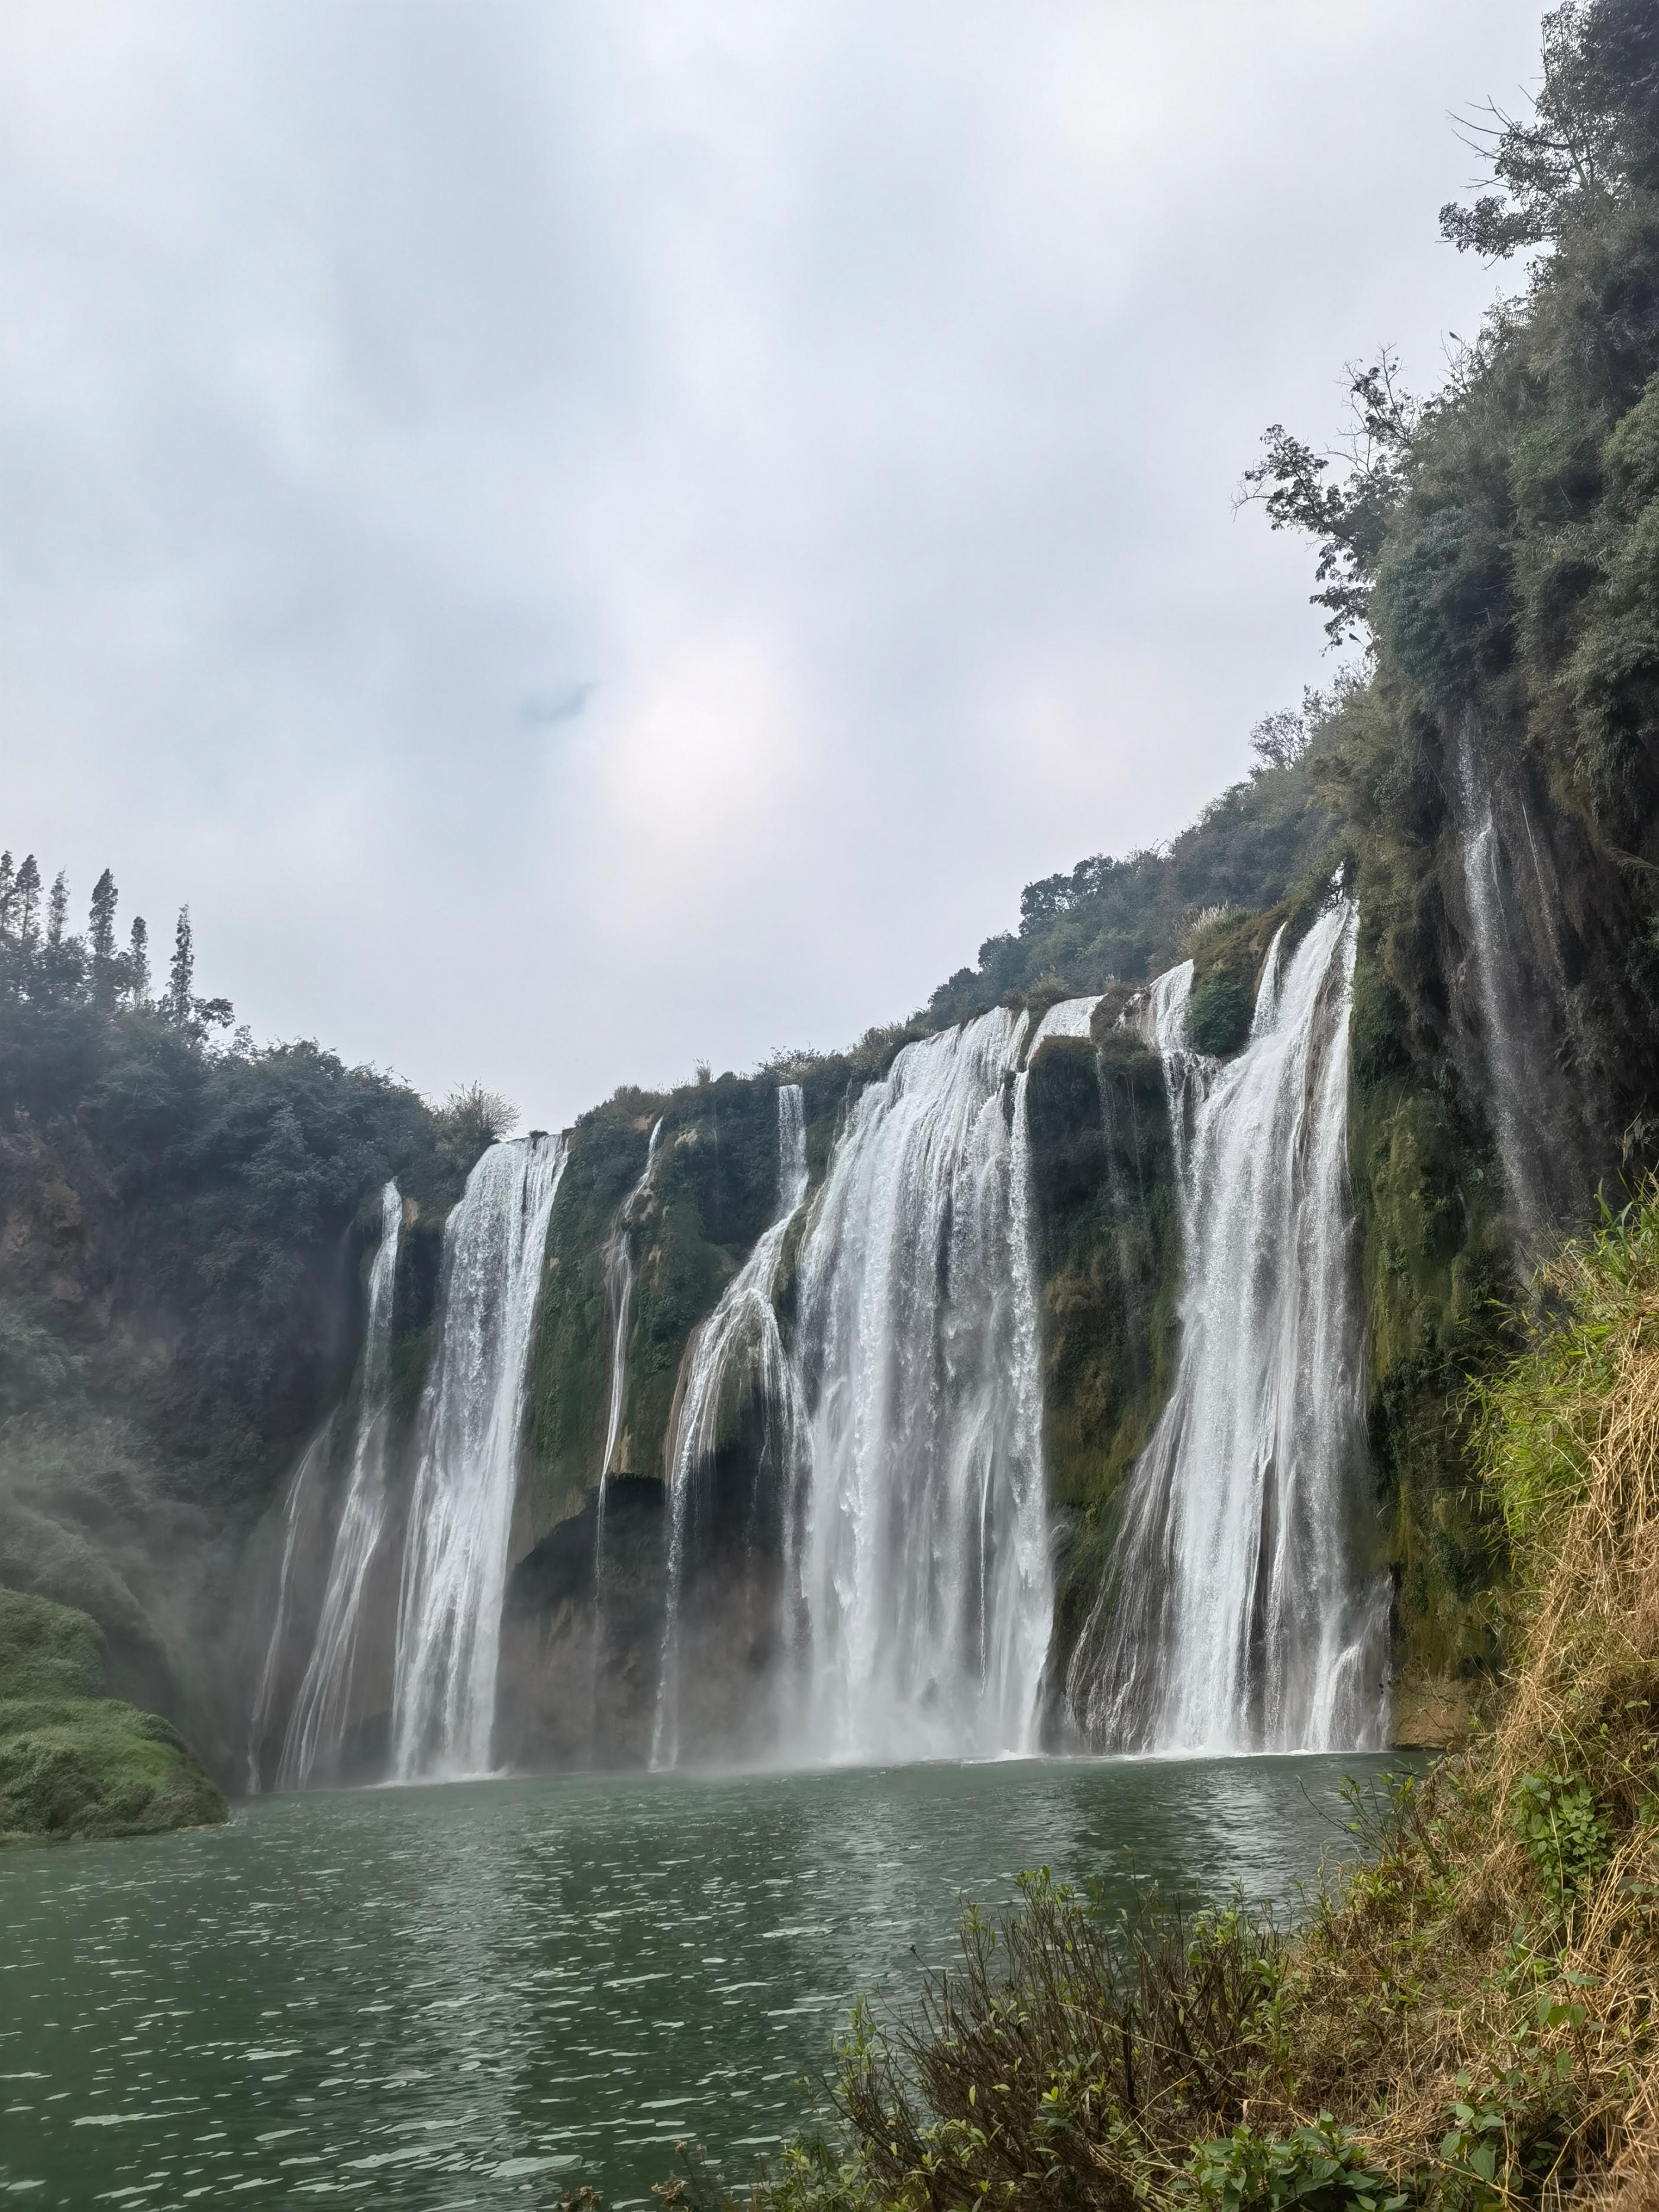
(619, 1303)
(739, 1343)
(619, 1299)
(926, 1587)
(471, 1422)
(302, 1485)
(317, 1724)
(1242, 1612)
(1534, 1126)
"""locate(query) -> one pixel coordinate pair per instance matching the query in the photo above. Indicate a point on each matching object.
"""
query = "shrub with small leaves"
(1322, 2168)
(1565, 1836)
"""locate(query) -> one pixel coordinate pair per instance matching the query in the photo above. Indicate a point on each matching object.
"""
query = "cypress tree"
(8, 898)
(58, 910)
(137, 974)
(100, 921)
(26, 894)
(181, 974)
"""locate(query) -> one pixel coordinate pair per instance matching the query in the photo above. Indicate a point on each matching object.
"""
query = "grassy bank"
(74, 1763)
(1466, 2020)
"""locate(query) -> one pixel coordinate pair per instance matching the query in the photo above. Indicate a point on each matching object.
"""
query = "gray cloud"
(560, 705)
(854, 394)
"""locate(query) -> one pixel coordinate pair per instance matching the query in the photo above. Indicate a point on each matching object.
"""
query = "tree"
(1350, 518)
(8, 898)
(1594, 130)
(58, 910)
(138, 962)
(26, 894)
(473, 1119)
(1279, 739)
(100, 938)
(178, 1004)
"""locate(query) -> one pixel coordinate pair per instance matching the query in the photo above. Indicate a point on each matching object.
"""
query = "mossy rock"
(48, 1650)
(84, 1767)
(75, 1764)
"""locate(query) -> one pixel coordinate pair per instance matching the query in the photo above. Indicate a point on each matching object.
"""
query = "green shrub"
(1323, 2168)
(1566, 1838)
(1219, 1016)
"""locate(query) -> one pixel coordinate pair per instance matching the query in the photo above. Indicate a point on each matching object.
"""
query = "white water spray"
(925, 1587)
(461, 1517)
(737, 1346)
(317, 1725)
(1242, 1610)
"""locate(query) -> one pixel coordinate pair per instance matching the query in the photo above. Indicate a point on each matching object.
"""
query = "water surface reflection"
(475, 1995)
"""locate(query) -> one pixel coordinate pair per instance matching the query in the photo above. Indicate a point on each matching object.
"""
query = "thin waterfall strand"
(926, 1586)
(737, 1346)
(307, 1474)
(619, 1300)
(322, 1711)
(1244, 1610)
(619, 1297)
(1521, 1091)
(455, 1561)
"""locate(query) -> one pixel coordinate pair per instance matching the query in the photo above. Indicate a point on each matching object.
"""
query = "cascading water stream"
(1242, 1611)
(925, 1580)
(471, 1421)
(306, 1475)
(317, 1725)
(1530, 1128)
(619, 1301)
(737, 1346)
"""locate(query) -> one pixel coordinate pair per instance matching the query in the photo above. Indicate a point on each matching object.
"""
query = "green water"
(480, 1994)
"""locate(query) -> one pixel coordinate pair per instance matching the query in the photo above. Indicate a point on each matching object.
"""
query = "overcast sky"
(586, 536)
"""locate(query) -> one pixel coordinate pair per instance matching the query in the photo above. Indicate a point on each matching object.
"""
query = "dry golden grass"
(1456, 1972)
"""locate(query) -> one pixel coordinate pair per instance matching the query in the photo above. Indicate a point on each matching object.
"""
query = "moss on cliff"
(74, 1763)
(1434, 1261)
(712, 1189)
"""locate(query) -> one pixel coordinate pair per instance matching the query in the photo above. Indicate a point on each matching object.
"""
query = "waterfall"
(925, 1581)
(306, 1475)
(1533, 1124)
(739, 1342)
(1241, 1612)
(1070, 1019)
(471, 1421)
(619, 1300)
(317, 1725)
